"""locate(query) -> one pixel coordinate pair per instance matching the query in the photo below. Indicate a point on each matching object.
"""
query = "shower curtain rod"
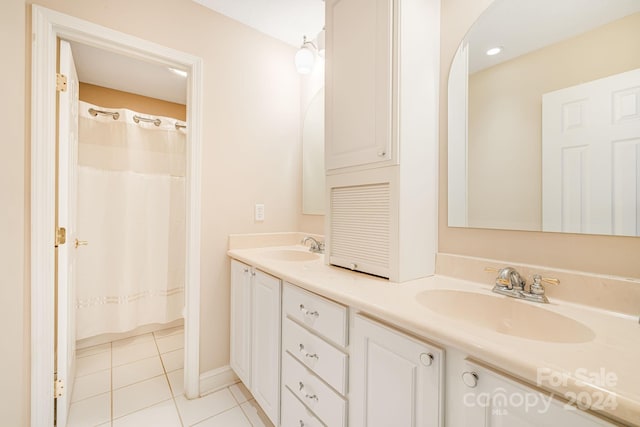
(136, 118)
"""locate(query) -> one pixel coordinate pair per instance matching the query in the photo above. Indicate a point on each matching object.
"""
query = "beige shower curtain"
(131, 210)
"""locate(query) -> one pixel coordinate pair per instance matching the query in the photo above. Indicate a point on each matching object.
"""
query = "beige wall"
(505, 116)
(14, 357)
(250, 150)
(111, 98)
(598, 254)
(250, 154)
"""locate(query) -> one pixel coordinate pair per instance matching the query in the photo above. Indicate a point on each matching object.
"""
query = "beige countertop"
(606, 367)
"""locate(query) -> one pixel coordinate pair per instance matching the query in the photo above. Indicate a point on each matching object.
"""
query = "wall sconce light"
(305, 57)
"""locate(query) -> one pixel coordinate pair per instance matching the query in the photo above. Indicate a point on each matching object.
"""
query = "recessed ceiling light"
(181, 73)
(494, 51)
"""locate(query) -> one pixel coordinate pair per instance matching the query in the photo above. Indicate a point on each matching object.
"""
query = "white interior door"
(591, 157)
(67, 203)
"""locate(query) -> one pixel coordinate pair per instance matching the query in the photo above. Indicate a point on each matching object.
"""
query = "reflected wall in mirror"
(313, 157)
(545, 135)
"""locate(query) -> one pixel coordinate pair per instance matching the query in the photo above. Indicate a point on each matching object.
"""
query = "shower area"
(131, 217)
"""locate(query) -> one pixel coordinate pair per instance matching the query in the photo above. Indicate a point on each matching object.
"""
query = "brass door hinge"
(58, 388)
(61, 82)
(61, 236)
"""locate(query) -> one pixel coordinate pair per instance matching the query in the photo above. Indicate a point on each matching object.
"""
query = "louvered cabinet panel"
(361, 227)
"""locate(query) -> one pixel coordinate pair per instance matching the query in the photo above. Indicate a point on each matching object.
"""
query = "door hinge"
(61, 236)
(58, 388)
(61, 82)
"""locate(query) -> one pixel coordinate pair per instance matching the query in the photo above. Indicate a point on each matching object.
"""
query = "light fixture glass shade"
(304, 60)
(321, 48)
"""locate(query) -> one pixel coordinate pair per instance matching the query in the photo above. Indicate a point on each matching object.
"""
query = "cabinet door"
(241, 321)
(395, 380)
(497, 401)
(265, 383)
(359, 39)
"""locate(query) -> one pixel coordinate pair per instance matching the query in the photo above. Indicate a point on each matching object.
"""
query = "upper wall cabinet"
(381, 128)
(359, 38)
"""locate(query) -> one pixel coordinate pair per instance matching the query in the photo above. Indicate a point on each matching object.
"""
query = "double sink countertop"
(562, 347)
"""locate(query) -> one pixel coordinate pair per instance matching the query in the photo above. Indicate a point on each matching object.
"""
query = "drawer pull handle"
(306, 312)
(246, 270)
(307, 354)
(307, 395)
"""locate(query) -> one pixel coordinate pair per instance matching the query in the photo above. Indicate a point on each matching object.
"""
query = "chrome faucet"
(315, 246)
(510, 283)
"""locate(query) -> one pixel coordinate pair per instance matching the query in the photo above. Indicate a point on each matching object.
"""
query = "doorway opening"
(49, 27)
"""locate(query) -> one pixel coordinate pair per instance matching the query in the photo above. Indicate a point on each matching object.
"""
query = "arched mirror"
(544, 118)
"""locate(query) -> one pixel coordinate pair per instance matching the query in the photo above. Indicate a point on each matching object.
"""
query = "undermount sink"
(290, 255)
(506, 316)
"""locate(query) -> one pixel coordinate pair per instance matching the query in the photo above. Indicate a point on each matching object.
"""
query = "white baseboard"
(217, 379)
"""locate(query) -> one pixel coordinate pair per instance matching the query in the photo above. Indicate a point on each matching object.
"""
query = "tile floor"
(139, 382)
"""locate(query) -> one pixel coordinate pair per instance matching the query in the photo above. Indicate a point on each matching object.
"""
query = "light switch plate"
(259, 212)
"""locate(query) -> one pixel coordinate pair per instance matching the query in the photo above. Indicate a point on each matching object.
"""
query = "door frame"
(47, 27)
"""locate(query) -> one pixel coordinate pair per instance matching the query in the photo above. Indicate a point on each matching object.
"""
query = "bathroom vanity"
(344, 347)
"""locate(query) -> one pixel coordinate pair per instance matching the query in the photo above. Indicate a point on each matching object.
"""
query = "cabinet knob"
(353, 266)
(246, 270)
(382, 153)
(426, 359)
(301, 423)
(470, 379)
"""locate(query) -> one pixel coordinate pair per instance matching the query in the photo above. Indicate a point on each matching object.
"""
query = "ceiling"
(522, 26)
(285, 20)
(107, 69)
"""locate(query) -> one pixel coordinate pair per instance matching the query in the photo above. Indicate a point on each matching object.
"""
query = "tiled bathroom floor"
(139, 382)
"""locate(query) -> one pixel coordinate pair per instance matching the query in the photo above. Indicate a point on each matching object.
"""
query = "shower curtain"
(131, 210)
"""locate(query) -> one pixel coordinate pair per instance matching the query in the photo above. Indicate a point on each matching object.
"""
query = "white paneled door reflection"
(591, 157)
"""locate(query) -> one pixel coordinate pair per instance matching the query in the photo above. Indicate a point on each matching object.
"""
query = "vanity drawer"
(327, 318)
(316, 354)
(295, 414)
(328, 405)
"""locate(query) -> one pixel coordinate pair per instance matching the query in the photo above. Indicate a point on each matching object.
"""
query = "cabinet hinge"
(61, 236)
(61, 82)
(58, 387)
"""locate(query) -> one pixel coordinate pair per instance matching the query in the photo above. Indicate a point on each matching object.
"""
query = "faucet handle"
(499, 280)
(536, 287)
(537, 279)
(550, 280)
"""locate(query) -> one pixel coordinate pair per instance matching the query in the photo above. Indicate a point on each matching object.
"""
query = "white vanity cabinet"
(255, 334)
(491, 399)
(395, 380)
(240, 351)
(358, 82)
(314, 360)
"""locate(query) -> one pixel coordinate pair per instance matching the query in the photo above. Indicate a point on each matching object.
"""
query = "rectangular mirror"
(313, 157)
(544, 118)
